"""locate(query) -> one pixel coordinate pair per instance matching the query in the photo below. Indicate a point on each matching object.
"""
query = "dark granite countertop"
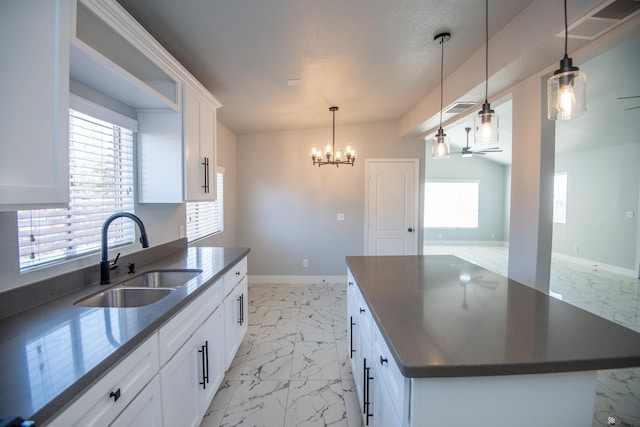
(52, 352)
(445, 317)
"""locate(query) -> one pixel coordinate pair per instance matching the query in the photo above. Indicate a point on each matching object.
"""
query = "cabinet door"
(367, 379)
(199, 121)
(34, 112)
(382, 407)
(236, 320)
(179, 385)
(212, 337)
(144, 410)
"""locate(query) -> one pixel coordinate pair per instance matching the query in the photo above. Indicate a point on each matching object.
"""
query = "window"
(560, 198)
(101, 183)
(206, 218)
(451, 204)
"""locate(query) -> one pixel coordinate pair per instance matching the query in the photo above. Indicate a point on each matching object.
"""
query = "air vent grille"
(604, 18)
(619, 9)
(459, 107)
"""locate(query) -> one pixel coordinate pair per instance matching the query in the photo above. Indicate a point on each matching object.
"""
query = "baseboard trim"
(305, 280)
(466, 243)
(596, 265)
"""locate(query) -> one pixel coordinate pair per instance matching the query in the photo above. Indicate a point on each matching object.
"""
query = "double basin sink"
(143, 289)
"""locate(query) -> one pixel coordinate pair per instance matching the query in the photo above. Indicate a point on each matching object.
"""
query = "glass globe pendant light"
(567, 87)
(440, 145)
(486, 122)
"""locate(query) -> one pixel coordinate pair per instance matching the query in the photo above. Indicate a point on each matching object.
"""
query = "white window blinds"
(101, 183)
(205, 218)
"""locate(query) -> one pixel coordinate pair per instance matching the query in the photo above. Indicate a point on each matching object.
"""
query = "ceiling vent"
(459, 107)
(602, 19)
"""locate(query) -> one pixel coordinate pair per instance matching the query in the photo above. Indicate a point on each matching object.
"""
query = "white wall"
(287, 208)
(603, 185)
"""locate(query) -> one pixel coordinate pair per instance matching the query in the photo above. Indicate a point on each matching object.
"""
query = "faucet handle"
(112, 265)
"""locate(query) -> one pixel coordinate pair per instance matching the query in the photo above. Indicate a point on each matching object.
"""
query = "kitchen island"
(436, 340)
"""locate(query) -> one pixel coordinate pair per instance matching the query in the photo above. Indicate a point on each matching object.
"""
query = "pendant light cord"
(566, 28)
(441, 73)
(486, 55)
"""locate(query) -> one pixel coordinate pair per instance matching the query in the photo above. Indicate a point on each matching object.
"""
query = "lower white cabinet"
(144, 410)
(191, 378)
(212, 361)
(171, 378)
(106, 399)
(383, 393)
(236, 320)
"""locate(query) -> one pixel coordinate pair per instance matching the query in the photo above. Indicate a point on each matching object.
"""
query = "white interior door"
(391, 206)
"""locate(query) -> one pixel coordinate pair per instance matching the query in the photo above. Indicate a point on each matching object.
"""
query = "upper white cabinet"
(34, 82)
(113, 54)
(199, 118)
(177, 151)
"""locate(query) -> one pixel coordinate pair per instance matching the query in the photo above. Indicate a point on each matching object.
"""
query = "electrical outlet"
(630, 214)
(305, 263)
(340, 217)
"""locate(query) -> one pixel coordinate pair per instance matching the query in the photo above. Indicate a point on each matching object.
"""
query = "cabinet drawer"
(145, 410)
(179, 329)
(96, 407)
(234, 275)
(363, 315)
(395, 383)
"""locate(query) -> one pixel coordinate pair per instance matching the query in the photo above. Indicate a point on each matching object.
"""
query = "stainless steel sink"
(161, 279)
(125, 297)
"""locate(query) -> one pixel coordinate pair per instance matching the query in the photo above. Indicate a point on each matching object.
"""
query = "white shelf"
(94, 69)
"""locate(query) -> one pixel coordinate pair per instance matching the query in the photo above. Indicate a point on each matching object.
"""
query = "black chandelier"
(329, 156)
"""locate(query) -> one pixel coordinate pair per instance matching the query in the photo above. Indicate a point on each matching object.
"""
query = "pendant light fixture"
(486, 122)
(440, 145)
(330, 156)
(567, 87)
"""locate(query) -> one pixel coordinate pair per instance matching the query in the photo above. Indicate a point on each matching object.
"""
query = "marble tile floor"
(292, 368)
(612, 296)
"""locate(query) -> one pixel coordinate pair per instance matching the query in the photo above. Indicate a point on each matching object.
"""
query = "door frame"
(416, 197)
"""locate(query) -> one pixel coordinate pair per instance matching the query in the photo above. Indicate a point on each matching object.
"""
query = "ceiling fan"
(629, 97)
(469, 151)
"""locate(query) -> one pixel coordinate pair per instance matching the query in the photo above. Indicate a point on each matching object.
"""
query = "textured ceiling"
(375, 59)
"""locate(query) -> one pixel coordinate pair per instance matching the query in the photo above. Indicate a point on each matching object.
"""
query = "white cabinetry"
(105, 400)
(189, 354)
(144, 410)
(191, 345)
(383, 393)
(177, 151)
(34, 112)
(199, 121)
(236, 320)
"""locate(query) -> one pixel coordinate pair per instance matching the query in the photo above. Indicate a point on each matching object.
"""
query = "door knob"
(410, 230)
